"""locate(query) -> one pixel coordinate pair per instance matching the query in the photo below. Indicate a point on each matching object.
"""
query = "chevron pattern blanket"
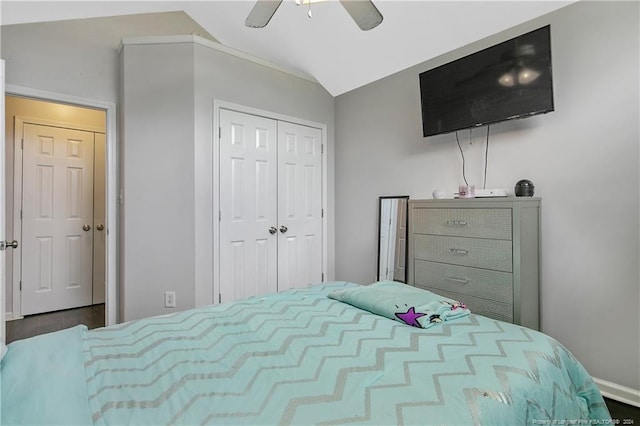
(299, 357)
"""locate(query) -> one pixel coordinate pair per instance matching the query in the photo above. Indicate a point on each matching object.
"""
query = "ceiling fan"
(364, 12)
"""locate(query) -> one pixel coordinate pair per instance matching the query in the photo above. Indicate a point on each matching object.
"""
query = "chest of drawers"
(483, 252)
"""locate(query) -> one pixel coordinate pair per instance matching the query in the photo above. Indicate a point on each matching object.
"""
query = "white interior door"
(299, 205)
(248, 219)
(3, 233)
(57, 212)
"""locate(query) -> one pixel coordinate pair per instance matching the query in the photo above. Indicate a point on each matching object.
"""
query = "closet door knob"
(86, 227)
(8, 244)
(273, 230)
(100, 227)
(283, 229)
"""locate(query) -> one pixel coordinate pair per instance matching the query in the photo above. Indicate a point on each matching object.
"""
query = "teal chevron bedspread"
(297, 357)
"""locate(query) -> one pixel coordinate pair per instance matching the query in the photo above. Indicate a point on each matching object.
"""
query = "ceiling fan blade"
(262, 13)
(364, 12)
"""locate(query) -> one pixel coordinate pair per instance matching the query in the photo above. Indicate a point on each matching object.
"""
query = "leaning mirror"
(392, 238)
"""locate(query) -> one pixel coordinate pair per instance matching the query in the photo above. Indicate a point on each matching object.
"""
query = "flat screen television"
(507, 81)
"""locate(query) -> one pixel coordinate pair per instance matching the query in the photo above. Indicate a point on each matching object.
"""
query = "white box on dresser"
(483, 252)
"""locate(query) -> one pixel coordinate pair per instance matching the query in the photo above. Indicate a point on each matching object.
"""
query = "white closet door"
(299, 205)
(57, 210)
(248, 176)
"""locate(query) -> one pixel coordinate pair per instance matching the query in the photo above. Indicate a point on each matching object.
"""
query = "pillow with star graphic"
(401, 302)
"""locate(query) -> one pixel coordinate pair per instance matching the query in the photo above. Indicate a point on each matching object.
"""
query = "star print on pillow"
(410, 317)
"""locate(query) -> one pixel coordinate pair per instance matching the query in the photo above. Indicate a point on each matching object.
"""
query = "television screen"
(506, 81)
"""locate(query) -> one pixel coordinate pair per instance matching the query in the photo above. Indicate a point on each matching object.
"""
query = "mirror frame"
(406, 249)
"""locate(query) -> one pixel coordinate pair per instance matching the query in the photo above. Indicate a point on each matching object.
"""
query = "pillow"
(401, 302)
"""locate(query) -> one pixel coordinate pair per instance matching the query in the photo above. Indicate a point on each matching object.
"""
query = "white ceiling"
(329, 47)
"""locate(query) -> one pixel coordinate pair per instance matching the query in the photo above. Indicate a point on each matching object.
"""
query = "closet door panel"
(299, 205)
(248, 184)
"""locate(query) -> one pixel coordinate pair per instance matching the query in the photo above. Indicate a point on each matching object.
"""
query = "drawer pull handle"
(458, 280)
(458, 251)
(457, 222)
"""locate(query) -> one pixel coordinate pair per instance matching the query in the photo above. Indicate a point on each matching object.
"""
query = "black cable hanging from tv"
(486, 157)
(464, 176)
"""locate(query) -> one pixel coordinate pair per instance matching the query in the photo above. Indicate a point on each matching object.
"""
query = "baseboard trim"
(618, 392)
(8, 316)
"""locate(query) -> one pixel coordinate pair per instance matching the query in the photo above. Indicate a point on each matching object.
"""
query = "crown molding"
(127, 41)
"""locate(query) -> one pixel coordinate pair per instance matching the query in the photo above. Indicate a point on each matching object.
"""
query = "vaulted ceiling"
(329, 46)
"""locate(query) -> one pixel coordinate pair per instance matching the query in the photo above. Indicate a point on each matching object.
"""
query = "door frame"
(217, 106)
(3, 232)
(111, 192)
(18, 136)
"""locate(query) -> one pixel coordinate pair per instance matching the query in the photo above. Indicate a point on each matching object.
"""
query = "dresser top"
(488, 202)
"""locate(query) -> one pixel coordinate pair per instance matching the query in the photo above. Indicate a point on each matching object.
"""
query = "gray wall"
(80, 57)
(157, 166)
(583, 159)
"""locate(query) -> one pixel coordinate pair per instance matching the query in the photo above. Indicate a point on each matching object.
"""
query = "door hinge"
(219, 215)
(219, 132)
(20, 285)
(219, 297)
(20, 214)
(321, 148)
(321, 212)
(22, 143)
(322, 279)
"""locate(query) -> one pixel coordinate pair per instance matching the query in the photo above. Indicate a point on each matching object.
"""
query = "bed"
(306, 356)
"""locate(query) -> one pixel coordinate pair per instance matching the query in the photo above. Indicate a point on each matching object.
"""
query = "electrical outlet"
(169, 299)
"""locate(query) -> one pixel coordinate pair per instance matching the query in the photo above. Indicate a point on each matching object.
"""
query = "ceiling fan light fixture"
(363, 12)
(306, 2)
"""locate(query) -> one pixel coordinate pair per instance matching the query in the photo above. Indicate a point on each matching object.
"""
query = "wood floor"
(623, 414)
(33, 325)
(93, 317)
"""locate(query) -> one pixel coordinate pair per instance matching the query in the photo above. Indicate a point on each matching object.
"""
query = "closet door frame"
(217, 106)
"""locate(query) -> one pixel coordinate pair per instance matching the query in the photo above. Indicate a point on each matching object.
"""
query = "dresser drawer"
(482, 283)
(487, 308)
(475, 252)
(477, 223)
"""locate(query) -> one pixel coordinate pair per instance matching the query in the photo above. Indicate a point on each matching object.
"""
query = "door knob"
(283, 229)
(100, 227)
(86, 227)
(273, 230)
(8, 244)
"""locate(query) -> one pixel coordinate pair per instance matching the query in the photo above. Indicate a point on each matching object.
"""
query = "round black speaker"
(524, 188)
